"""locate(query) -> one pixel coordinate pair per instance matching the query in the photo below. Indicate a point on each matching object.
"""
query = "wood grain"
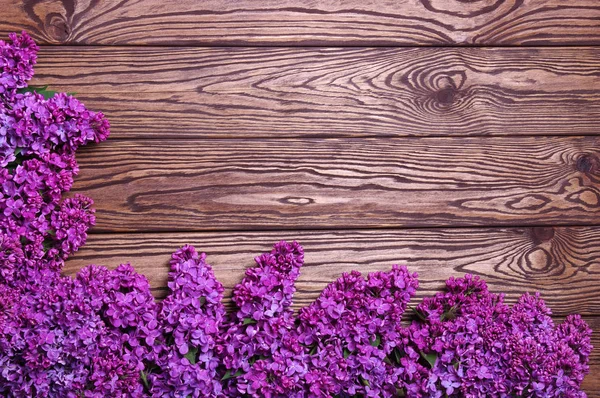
(563, 263)
(295, 22)
(325, 92)
(342, 183)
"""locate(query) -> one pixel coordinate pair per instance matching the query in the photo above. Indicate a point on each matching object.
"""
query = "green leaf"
(48, 243)
(144, 379)
(364, 382)
(191, 355)
(449, 314)
(43, 90)
(18, 151)
(430, 358)
(248, 321)
(376, 342)
(400, 392)
(313, 350)
(31, 89)
(397, 355)
(202, 301)
(228, 375)
(346, 353)
(418, 313)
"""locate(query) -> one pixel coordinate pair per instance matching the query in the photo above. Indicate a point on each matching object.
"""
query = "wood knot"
(538, 260)
(587, 163)
(292, 200)
(446, 90)
(541, 234)
(58, 28)
(534, 202)
(462, 8)
(446, 95)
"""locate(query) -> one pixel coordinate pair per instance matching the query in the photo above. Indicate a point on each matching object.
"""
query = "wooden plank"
(169, 185)
(295, 22)
(563, 263)
(295, 92)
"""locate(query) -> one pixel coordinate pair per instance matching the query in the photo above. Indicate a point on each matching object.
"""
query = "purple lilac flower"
(478, 346)
(353, 329)
(256, 346)
(36, 126)
(38, 140)
(63, 340)
(16, 63)
(184, 337)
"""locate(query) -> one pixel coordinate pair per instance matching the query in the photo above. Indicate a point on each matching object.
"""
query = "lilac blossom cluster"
(102, 334)
(16, 63)
(182, 340)
(38, 140)
(259, 354)
(352, 329)
(478, 346)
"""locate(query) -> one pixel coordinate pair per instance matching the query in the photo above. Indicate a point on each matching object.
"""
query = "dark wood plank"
(169, 185)
(563, 263)
(294, 92)
(294, 22)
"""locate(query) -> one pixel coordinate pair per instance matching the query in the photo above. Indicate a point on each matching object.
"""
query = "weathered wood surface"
(562, 263)
(295, 92)
(161, 185)
(295, 22)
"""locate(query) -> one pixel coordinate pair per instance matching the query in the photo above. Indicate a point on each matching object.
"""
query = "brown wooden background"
(450, 135)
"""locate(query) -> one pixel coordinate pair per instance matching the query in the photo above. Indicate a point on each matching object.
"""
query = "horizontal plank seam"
(345, 137)
(230, 304)
(353, 137)
(329, 228)
(325, 45)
